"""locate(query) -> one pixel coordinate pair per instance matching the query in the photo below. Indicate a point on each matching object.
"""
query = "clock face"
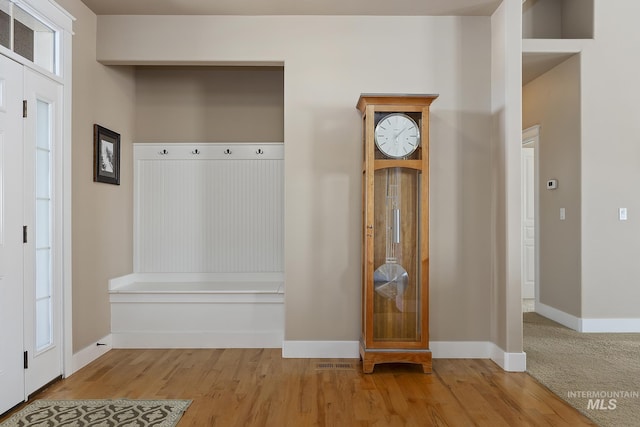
(397, 135)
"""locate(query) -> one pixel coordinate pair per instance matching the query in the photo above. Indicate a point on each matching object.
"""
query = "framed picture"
(106, 155)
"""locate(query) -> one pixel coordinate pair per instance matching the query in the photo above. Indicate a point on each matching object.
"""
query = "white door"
(528, 222)
(11, 236)
(43, 216)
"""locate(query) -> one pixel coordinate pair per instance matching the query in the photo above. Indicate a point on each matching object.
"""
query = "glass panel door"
(43, 272)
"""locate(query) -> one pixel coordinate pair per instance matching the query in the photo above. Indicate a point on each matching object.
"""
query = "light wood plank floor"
(257, 387)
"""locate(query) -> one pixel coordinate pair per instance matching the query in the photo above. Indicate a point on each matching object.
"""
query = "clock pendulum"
(391, 279)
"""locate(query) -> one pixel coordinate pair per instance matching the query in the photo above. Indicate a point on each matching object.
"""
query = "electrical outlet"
(562, 214)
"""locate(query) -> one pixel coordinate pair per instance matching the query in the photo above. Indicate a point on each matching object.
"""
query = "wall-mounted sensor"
(552, 184)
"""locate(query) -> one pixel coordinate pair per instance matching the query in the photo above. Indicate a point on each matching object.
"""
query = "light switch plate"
(622, 214)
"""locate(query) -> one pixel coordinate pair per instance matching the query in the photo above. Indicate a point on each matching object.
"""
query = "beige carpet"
(99, 413)
(598, 374)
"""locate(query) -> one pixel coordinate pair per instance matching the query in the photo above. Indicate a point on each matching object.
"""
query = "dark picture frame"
(106, 155)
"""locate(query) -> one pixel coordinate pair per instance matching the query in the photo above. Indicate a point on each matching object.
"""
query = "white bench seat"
(197, 310)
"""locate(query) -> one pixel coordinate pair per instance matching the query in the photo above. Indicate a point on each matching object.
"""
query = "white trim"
(219, 339)
(90, 353)
(50, 11)
(512, 362)
(531, 134)
(559, 316)
(229, 278)
(581, 324)
(630, 325)
(67, 304)
(320, 349)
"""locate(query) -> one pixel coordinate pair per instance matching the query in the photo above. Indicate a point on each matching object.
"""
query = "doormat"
(102, 413)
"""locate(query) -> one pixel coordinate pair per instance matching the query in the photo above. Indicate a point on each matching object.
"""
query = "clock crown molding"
(395, 99)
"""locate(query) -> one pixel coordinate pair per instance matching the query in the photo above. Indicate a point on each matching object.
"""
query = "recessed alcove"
(208, 210)
(557, 19)
(209, 104)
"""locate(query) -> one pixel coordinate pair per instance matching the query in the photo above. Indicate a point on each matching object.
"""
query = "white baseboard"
(512, 362)
(581, 324)
(568, 320)
(236, 339)
(610, 325)
(90, 353)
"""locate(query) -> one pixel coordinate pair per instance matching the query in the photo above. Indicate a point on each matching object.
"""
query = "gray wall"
(553, 102)
(102, 220)
(209, 104)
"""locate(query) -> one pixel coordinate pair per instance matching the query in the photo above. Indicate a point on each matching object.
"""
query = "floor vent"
(335, 366)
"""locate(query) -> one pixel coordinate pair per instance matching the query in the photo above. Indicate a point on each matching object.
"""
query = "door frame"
(62, 22)
(531, 136)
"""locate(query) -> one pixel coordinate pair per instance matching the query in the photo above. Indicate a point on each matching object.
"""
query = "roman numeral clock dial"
(397, 135)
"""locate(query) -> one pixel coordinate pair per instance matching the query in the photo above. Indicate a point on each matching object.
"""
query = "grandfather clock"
(395, 235)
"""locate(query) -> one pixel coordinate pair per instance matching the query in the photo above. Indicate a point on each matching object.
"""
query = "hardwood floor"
(257, 387)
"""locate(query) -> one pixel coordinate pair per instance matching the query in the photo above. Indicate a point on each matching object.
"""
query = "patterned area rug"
(99, 413)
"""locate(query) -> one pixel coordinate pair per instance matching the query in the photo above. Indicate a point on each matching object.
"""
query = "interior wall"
(506, 219)
(209, 104)
(610, 172)
(102, 219)
(325, 72)
(553, 102)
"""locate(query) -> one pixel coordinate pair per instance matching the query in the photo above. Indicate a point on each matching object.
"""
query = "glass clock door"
(396, 276)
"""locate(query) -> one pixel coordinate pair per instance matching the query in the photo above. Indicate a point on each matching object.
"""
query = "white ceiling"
(294, 7)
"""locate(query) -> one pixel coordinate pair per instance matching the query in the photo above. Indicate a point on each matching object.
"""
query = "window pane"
(22, 40)
(42, 223)
(43, 273)
(43, 323)
(33, 40)
(5, 24)
(42, 174)
(43, 128)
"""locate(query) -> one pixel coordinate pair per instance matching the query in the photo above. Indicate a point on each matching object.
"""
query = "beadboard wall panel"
(214, 208)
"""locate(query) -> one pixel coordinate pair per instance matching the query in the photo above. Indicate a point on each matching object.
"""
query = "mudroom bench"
(197, 310)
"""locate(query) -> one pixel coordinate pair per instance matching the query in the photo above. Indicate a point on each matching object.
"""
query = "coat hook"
(227, 151)
(163, 152)
(259, 151)
(196, 151)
